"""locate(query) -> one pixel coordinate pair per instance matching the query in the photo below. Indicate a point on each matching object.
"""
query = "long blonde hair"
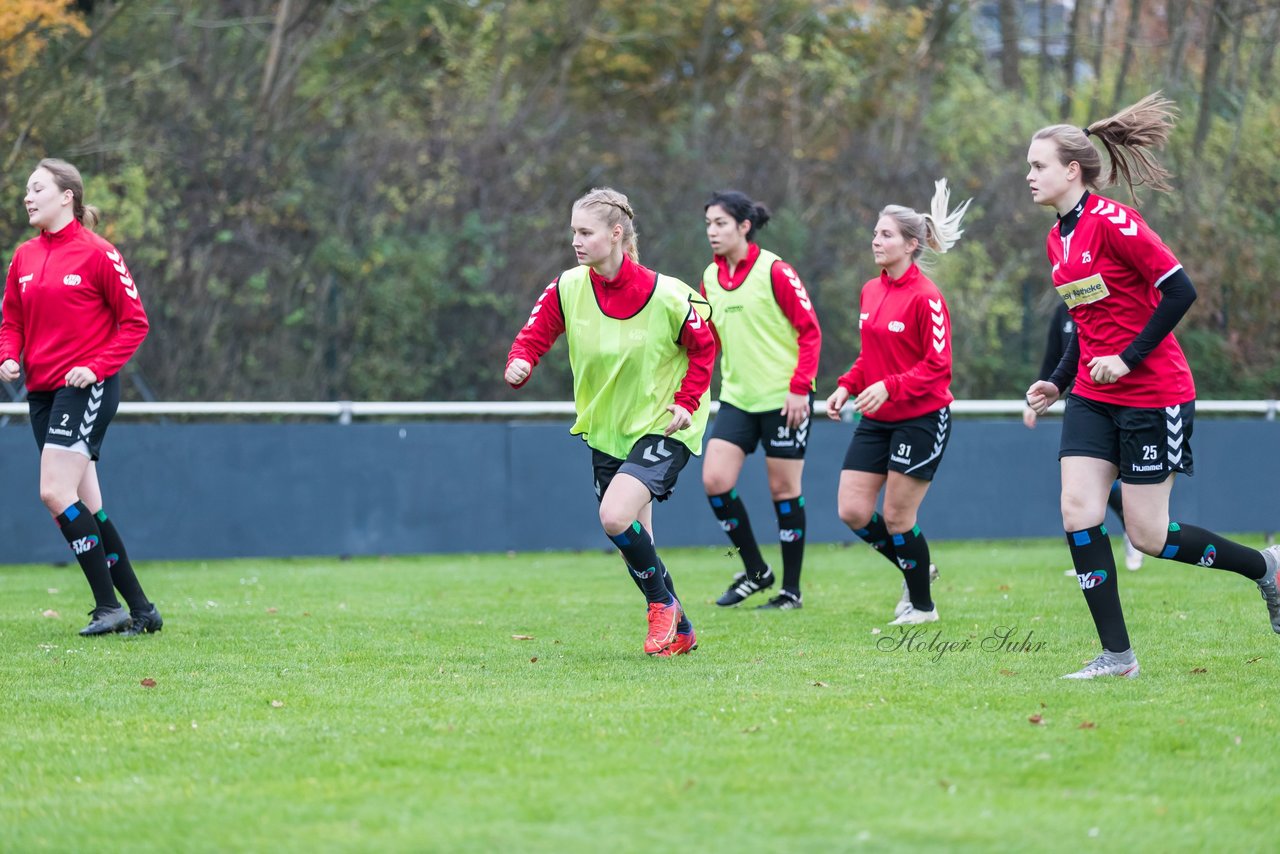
(614, 209)
(938, 230)
(1126, 136)
(67, 177)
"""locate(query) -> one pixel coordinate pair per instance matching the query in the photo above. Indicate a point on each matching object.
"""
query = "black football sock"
(791, 524)
(642, 560)
(1189, 544)
(122, 574)
(684, 626)
(876, 535)
(81, 532)
(912, 551)
(1096, 572)
(732, 514)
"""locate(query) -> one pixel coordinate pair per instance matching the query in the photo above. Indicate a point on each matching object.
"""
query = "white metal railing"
(347, 410)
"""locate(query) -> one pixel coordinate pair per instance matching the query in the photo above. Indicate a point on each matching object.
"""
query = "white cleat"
(1267, 585)
(1132, 557)
(1123, 664)
(905, 602)
(912, 617)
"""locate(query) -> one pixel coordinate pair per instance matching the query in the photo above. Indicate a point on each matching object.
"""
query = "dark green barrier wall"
(236, 490)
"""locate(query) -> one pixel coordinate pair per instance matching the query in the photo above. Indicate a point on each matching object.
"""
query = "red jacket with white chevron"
(1108, 270)
(906, 341)
(69, 301)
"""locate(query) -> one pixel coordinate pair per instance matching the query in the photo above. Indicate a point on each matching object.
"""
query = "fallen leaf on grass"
(1198, 670)
(148, 682)
(1003, 587)
(273, 610)
(1252, 660)
(1087, 725)
(1036, 719)
(820, 685)
(751, 729)
(52, 614)
(522, 637)
(1004, 672)
(277, 704)
(533, 660)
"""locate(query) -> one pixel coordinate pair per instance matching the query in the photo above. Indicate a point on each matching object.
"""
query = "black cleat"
(106, 619)
(784, 601)
(744, 585)
(144, 622)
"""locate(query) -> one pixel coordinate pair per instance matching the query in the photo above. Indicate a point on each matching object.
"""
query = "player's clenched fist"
(517, 372)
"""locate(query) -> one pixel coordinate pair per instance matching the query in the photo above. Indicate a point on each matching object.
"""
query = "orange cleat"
(685, 643)
(662, 626)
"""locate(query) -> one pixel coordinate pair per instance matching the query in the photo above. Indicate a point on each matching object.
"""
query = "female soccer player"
(769, 344)
(1061, 328)
(641, 354)
(1132, 409)
(73, 317)
(902, 381)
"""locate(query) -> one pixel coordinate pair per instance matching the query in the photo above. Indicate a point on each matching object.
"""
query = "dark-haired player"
(769, 343)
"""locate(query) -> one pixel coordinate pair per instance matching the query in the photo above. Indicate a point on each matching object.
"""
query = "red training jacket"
(69, 301)
(906, 341)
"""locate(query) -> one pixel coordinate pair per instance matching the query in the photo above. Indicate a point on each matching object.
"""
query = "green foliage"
(366, 201)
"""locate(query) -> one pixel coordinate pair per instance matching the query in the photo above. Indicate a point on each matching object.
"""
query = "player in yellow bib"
(769, 343)
(642, 352)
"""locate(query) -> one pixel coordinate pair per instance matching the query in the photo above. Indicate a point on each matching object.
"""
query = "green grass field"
(380, 705)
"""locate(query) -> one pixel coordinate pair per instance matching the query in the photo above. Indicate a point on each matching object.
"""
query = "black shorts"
(71, 415)
(913, 447)
(1146, 445)
(747, 429)
(655, 461)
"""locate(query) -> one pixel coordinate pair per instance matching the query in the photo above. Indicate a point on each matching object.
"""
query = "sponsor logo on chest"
(1083, 291)
(896, 326)
(71, 279)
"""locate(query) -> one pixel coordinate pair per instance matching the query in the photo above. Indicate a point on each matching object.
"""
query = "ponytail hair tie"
(1087, 132)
